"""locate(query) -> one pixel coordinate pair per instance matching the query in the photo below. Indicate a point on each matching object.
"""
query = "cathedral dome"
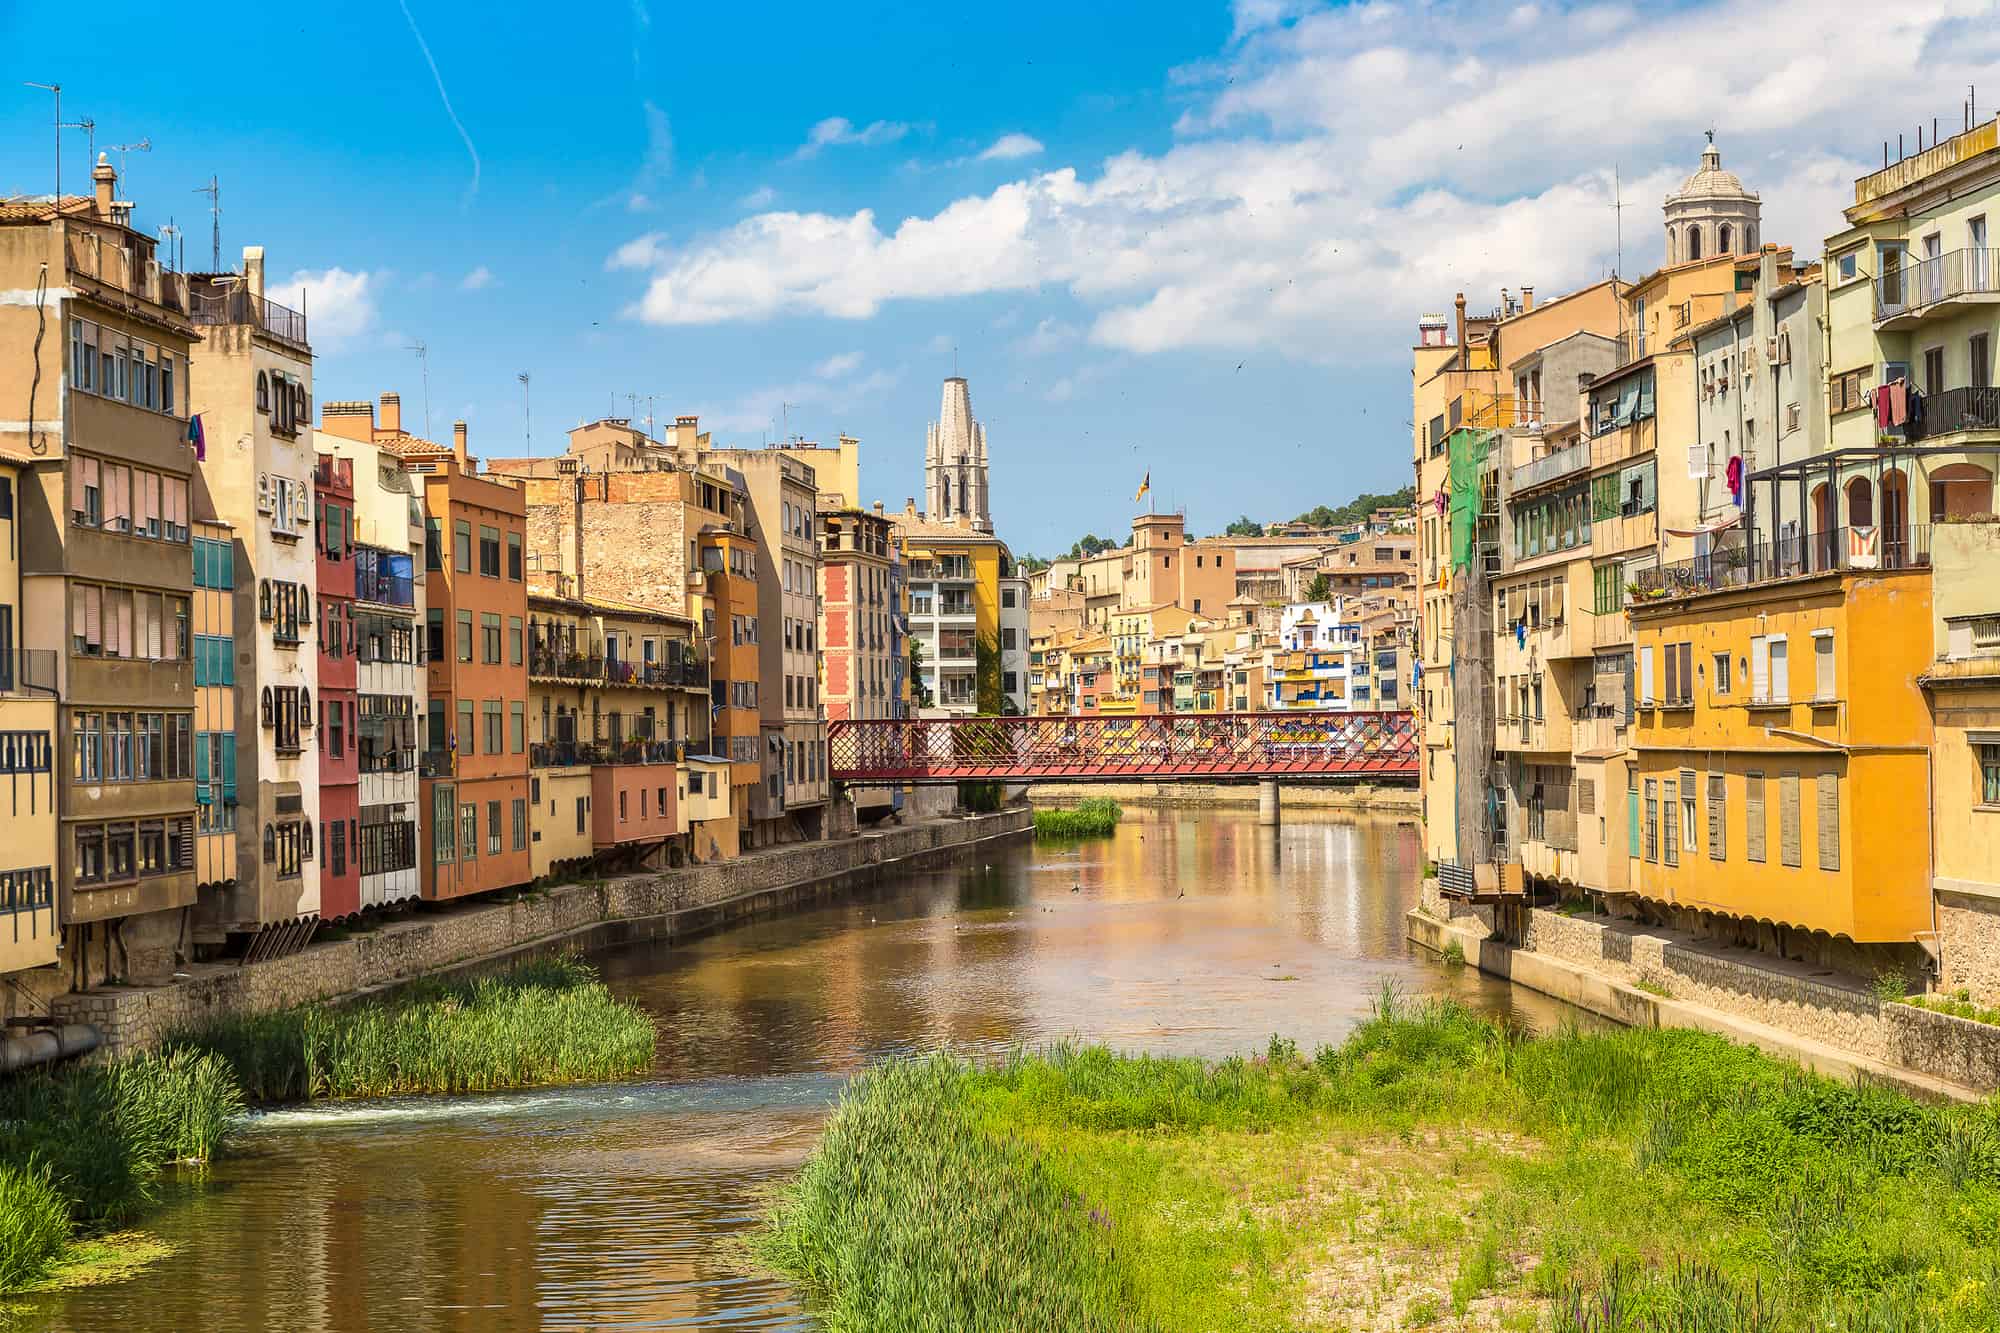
(1711, 214)
(1710, 181)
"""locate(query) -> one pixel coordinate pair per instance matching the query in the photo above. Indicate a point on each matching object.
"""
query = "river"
(613, 1207)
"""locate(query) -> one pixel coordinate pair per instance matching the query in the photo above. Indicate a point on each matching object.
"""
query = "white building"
(1014, 641)
(1321, 653)
(391, 692)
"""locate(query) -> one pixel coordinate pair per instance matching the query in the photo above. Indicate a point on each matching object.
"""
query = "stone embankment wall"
(1387, 800)
(1613, 969)
(669, 905)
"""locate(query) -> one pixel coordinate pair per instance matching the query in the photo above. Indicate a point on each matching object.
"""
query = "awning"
(1707, 529)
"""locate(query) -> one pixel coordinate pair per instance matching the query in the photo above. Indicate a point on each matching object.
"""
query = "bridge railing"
(1342, 744)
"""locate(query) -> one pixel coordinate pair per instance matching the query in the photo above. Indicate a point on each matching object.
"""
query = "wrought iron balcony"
(1742, 566)
(1906, 295)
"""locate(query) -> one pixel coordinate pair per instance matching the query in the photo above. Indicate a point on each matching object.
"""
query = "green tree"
(920, 693)
(986, 675)
(1320, 589)
(1358, 509)
(1245, 526)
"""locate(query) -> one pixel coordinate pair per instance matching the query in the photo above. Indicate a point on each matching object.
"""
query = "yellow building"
(1772, 719)
(952, 574)
(29, 935)
(214, 706)
(1963, 687)
(1131, 630)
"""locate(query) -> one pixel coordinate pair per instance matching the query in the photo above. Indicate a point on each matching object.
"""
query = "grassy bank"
(84, 1148)
(1434, 1171)
(542, 1022)
(1092, 818)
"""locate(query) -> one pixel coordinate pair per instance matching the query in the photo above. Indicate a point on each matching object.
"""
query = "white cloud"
(640, 252)
(339, 304)
(761, 197)
(1010, 146)
(838, 131)
(1049, 336)
(836, 366)
(1342, 169)
(801, 403)
(477, 280)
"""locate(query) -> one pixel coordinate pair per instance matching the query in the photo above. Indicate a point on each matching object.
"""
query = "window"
(1769, 673)
(1672, 843)
(1823, 675)
(520, 842)
(489, 634)
(1988, 755)
(581, 811)
(1719, 664)
(517, 726)
(514, 640)
(433, 543)
(1845, 391)
(461, 546)
(489, 551)
(1687, 810)
(514, 556)
(1788, 819)
(90, 854)
(493, 828)
(465, 636)
(468, 831)
(466, 741)
(494, 719)
(1829, 821)
(1646, 675)
(1718, 817)
(1652, 820)
(444, 843)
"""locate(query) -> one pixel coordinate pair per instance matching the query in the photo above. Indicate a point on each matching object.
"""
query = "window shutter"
(1829, 821)
(1788, 819)
(1823, 666)
(1586, 796)
(1718, 817)
(183, 833)
(1755, 823)
(1781, 682)
(1669, 799)
(1646, 675)
(1760, 669)
(1673, 672)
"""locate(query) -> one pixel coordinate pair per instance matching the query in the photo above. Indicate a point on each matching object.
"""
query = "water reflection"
(610, 1207)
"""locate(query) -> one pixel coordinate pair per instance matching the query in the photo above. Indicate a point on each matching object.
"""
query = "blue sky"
(1190, 238)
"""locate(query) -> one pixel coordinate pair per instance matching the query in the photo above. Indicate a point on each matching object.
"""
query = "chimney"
(253, 270)
(106, 177)
(458, 441)
(349, 420)
(878, 509)
(1461, 324)
(1527, 299)
(392, 413)
(575, 530)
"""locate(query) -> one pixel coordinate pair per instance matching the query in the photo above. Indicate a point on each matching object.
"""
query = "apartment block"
(215, 707)
(859, 642)
(30, 931)
(252, 385)
(98, 365)
(339, 730)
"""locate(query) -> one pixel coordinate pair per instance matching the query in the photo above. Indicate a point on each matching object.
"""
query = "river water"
(614, 1207)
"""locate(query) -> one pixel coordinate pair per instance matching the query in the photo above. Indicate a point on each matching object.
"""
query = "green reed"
(1096, 817)
(544, 1022)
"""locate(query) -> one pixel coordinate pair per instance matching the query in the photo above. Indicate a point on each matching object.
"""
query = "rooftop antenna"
(527, 413)
(55, 88)
(423, 351)
(169, 233)
(214, 192)
(143, 146)
(1618, 216)
(89, 128)
(650, 398)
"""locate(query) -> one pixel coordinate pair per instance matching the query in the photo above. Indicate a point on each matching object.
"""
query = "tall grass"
(1671, 1182)
(542, 1022)
(1096, 817)
(97, 1140)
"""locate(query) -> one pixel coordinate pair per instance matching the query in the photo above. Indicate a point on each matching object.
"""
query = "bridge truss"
(1357, 746)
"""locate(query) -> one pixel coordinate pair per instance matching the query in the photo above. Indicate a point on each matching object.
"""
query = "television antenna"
(527, 414)
(214, 192)
(143, 146)
(55, 88)
(423, 351)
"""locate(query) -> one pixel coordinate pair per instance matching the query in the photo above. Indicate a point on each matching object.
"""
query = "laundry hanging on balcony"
(1734, 474)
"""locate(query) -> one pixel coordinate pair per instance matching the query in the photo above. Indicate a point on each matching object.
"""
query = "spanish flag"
(1145, 484)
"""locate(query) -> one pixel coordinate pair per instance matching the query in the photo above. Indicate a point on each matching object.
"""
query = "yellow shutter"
(1756, 823)
(1829, 821)
(1718, 816)
(1788, 819)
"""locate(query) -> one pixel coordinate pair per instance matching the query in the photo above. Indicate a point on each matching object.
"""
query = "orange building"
(729, 621)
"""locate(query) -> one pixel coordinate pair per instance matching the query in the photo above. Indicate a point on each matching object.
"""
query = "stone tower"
(955, 461)
(1711, 214)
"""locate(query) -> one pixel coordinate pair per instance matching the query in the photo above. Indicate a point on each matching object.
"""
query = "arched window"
(306, 838)
(263, 599)
(263, 392)
(1722, 240)
(270, 843)
(1860, 503)
(1749, 238)
(1672, 256)
(305, 707)
(1694, 242)
(267, 705)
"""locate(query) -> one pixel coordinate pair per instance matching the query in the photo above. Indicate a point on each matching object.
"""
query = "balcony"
(553, 659)
(1757, 562)
(1955, 411)
(1553, 467)
(238, 306)
(435, 764)
(1943, 285)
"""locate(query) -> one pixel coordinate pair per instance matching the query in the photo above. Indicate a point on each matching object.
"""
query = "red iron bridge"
(1080, 748)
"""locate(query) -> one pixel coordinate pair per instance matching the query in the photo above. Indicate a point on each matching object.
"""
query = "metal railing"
(1576, 458)
(1748, 563)
(557, 659)
(1945, 277)
(238, 306)
(1962, 409)
(581, 754)
(435, 764)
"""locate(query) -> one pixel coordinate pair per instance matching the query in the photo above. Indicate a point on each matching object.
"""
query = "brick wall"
(670, 905)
